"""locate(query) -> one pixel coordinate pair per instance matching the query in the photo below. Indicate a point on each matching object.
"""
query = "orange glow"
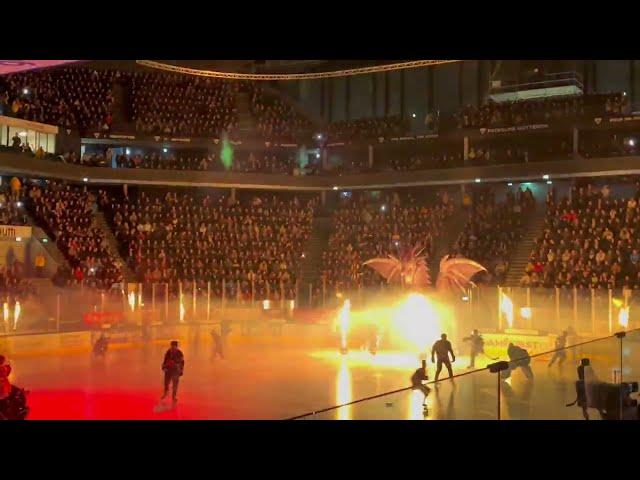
(182, 309)
(344, 392)
(417, 322)
(6, 314)
(525, 312)
(132, 301)
(344, 318)
(506, 308)
(623, 317)
(16, 315)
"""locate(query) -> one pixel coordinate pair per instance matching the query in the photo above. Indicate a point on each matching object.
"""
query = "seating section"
(367, 128)
(589, 241)
(527, 112)
(12, 204)
(171, 236)
(274, 119)
(65, 212)
(493, 229)
(172, 104)
(77, 98)
(364, 228)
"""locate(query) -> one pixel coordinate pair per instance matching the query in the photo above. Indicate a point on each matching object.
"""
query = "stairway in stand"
(246, 124)
(520, 256)
(101, 222)
(451, 229)
(311, 270)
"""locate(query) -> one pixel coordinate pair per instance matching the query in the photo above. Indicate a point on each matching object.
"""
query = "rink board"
(40, 344)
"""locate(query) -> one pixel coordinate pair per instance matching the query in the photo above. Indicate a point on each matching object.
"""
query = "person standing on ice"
(477, 346)
(560, 354)
(442, 348)
(173, 368)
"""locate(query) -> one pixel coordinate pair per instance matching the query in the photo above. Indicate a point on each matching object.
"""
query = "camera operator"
(613, 401)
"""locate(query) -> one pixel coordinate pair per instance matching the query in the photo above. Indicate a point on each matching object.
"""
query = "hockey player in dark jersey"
(173, 368)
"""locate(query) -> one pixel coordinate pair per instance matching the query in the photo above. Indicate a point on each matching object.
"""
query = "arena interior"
(307, 230)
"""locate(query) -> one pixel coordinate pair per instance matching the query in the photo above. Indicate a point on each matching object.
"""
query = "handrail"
(384, 394)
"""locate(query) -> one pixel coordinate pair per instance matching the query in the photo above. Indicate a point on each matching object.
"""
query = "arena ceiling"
(13, 66)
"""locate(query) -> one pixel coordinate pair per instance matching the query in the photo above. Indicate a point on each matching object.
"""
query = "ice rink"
(265, 378)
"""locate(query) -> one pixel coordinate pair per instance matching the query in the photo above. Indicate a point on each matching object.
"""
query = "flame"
(6, 314)
(16, 315)
(182, 309)
(344, 317)
(132, 300)
(506, 307)
(623, 317)
(417, 321)
(343, 390)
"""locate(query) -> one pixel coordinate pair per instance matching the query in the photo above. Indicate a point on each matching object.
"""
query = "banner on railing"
(102, 319)
(518, 128)
(12, 232)
(610, 120)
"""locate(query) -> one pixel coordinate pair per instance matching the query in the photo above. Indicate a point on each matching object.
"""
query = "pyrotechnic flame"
(417, 321)
(132, 300)
(343, 322)
(16, 315)
(182, 309)
(525, 312)
(623, 317)
(6, 314)
(506, 307)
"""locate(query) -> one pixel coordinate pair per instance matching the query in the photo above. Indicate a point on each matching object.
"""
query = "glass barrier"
(631, 356)
(540, 387)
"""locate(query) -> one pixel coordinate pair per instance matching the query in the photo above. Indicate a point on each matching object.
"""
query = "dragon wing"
(456, 273)
(389, 268)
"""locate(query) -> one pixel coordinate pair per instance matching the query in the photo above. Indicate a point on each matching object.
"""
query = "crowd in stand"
(169, 161)
(365, 229)
(74, 98)
(368, 128)
(172, 104)
(172, 237)
(596, 144)
(65, 212)
(88, 159)
(589, 241)
(13, 284)
(493, 229)
(275, 119)
(527, 112)
(531, 149)
(267, 162)
(11, 204)
(444, 158)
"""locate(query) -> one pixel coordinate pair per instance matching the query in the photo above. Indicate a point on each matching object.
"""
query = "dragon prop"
(410, 269)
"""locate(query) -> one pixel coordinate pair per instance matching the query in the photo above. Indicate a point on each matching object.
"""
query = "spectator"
(16, 141)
